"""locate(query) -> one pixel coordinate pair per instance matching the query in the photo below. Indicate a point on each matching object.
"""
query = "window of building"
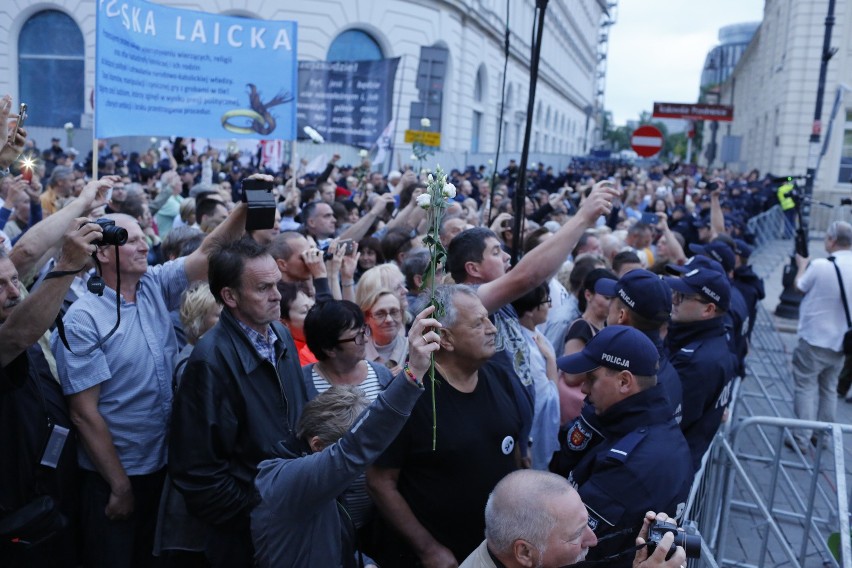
(51, 72)
(475, 131)
(479, 87)
(845, 173)
(354, 45)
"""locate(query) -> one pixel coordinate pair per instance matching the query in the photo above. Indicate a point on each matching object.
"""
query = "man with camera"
(824, 334)
(535, 518)
(635, 419)
(116, 372)
(38, 465)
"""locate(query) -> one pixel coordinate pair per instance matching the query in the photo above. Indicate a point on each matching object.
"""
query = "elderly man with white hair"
(536, 519)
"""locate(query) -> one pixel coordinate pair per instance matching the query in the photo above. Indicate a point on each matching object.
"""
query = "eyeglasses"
(546, 302)
(381, 315)
(360, 338)
(678, 297)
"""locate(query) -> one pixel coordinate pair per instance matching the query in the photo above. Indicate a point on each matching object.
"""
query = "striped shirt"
(369, 385)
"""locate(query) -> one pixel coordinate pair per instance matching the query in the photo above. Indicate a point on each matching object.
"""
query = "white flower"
(363, 153)
(314, 135)
(429, 178)
(490, 162)
(425, 122)
(413, 157)
(423, 200)
(449, 191)
(69, 126)
(154, 140)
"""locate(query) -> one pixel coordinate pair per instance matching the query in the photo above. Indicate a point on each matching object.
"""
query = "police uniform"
(700, 353)
(643, 464)
(750, 286)
(585, 432)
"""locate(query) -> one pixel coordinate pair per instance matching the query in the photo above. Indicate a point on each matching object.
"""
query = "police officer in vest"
(698, 349)
(642, 300)
(643, 450)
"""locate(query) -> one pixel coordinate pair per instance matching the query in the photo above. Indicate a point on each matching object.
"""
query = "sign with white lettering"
(165, 71)
(349, 102)
(694, 111)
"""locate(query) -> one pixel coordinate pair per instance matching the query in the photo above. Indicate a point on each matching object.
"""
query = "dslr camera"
(113, 234)
(691, 543)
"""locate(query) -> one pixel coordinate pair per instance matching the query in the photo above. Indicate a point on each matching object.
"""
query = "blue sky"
(657, 49)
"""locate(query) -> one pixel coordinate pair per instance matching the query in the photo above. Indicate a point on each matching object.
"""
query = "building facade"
(47, 54)
(773, 90)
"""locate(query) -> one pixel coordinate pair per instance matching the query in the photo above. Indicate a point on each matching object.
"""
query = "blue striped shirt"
(133, 368)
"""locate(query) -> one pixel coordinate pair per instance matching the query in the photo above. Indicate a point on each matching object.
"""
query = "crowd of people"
(209, 396)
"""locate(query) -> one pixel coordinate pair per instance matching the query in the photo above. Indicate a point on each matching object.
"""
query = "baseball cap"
(718, 251)
(742, 248)
(697, 261)
(615, 347)
(642, 291)
(711, 284)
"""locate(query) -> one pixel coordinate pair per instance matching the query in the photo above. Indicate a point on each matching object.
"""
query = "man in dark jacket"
(699, 350)
(241, 395)
(747, 282)
(620, 368)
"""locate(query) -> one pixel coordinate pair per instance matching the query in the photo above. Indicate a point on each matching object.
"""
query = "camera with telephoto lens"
(113, 234)
(691, 543)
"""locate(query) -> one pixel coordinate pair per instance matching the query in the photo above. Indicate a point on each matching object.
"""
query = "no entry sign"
(646, 141)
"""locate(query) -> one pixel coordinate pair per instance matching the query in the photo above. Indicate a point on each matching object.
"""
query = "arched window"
(354, 45)
(51, 71)
(479, 87)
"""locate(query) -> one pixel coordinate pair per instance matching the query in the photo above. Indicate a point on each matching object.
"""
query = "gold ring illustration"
(242, 112)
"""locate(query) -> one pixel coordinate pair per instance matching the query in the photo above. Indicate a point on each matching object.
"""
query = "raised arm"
(545, 259)
(36, 242)
(36, 313)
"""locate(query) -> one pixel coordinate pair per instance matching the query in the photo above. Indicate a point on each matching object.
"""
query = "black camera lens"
(112, 234)
(691, 543)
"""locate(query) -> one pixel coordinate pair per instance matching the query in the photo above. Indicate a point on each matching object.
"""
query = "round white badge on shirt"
(508, 445)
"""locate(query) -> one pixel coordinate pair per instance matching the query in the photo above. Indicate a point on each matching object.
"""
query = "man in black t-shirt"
(433, 498)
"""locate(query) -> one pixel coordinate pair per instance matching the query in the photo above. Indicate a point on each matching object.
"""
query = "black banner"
(350, 102)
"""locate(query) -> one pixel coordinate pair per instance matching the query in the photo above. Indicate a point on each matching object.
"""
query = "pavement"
(777, 502)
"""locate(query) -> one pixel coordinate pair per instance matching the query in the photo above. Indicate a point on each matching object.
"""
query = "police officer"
(642, 300)
(620, 366)
(698, 349)
(737, 318)
(747, 282)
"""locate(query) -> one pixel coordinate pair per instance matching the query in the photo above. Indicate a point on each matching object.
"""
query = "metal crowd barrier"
(755, 502)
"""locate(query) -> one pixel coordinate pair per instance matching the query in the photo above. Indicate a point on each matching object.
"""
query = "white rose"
(413, 157)
(423, 200)
(154, 140)
(425, 122)
(69, 126)
(449, 191)
(363, 153)
(429, 178)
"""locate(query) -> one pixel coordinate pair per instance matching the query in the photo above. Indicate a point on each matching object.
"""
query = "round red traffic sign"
(646, 141)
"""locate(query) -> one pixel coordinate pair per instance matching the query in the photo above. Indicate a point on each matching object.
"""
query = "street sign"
(694, 111)
(424, 137)
(646, 141)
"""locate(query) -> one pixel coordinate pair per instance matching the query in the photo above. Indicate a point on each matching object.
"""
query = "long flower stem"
(434, 260)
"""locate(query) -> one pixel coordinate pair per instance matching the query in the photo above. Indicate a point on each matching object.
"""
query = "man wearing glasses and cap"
(698, 347)
(632, 409)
